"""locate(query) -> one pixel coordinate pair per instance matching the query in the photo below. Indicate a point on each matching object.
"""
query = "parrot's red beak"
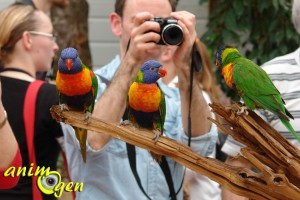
(162, 72)
(69, 64)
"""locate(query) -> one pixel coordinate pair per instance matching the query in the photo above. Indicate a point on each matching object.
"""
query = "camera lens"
(172, 34)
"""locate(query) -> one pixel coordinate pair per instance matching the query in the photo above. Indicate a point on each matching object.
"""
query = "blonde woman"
(27, 45)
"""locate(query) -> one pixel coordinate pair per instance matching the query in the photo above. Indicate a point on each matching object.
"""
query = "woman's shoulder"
(48, 92)
(48, 87)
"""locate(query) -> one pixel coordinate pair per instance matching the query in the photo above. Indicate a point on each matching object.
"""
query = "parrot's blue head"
(225, 54)
(152, 71)
(219, 56)
(69, 62)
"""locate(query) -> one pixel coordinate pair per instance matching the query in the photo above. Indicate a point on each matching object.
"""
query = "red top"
(10, 182)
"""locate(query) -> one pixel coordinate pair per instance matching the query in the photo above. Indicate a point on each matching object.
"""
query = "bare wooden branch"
(275, 173)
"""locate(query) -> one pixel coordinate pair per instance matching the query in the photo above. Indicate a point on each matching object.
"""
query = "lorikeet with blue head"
(253, 84)
(77, 88)
(146, 102)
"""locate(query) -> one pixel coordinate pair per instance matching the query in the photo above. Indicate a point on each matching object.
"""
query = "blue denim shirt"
(107, 173)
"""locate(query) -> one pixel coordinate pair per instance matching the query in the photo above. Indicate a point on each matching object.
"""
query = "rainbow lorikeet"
(253, 84)
(146, 103)
(77, 89)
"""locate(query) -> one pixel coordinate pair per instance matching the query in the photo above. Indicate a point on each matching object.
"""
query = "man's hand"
(144, 37)
(187, 21)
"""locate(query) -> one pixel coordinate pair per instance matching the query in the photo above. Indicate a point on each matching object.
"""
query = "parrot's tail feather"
(81, 135)
(291, 129)
(156, 157)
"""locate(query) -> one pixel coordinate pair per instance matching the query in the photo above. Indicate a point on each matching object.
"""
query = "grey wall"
(103, 44)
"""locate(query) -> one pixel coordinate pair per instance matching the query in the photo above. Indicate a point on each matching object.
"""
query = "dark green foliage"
(262, 30)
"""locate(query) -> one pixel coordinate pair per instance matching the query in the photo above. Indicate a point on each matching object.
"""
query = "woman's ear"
(26, 40)
(115, 24)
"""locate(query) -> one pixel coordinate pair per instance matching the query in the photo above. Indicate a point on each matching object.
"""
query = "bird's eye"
(47, 183)
(152, 68)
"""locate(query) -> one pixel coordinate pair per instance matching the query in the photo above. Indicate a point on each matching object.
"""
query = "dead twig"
(276, 162)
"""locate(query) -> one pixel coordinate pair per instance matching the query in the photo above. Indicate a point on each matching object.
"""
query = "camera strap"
(164, 167)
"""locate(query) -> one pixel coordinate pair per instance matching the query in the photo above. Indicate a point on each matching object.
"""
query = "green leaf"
(238, 8)
(275, 4)
(264, 5)
(267, 24)
(230, 21)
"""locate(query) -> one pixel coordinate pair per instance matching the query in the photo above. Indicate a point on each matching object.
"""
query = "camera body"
(171, 33)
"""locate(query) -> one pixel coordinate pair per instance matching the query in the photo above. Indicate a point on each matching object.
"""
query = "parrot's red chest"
(227, 72)
(74, 84)
(144, 97)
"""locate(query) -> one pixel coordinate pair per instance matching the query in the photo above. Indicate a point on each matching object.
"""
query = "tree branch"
(276, 162)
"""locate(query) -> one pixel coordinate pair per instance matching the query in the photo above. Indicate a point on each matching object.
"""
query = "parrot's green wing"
(81, 134)
(256, 88)
(162, 110)
(94, 87)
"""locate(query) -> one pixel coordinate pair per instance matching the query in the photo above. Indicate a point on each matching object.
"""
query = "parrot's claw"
(88, 116)
(126, 123)
(242, 110)
(63, 107)
(157, 134)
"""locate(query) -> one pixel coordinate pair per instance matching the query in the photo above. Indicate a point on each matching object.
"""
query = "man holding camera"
(107, 173)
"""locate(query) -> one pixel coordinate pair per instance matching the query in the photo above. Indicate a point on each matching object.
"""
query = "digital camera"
(171, 33)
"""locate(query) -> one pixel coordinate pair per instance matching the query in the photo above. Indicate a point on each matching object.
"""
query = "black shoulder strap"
(132, 162)
(164, 167)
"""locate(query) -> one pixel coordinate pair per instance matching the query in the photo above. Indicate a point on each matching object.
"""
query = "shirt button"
(152, 198)
(152, 163)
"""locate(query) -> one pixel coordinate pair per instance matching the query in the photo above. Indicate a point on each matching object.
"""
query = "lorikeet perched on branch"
(146, 102)
(77, 88)
(253, 84)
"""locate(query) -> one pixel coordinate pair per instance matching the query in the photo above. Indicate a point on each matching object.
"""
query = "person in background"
(284, 71)
(107, 173)
(45, 6)
(9, 148)
(196, 184)
(27, 45)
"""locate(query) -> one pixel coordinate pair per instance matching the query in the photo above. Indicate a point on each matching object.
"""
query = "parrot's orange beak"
(69, 64)
(162, 72)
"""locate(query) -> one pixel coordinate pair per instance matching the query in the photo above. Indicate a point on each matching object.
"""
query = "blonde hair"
(14, 21)
(207, 77)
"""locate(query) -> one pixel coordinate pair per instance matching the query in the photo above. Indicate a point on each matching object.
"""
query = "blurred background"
(103, 44)
(261, 30)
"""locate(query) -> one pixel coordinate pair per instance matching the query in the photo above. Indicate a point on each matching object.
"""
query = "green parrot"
(253, 84)
(77, 88)
(146, 103)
